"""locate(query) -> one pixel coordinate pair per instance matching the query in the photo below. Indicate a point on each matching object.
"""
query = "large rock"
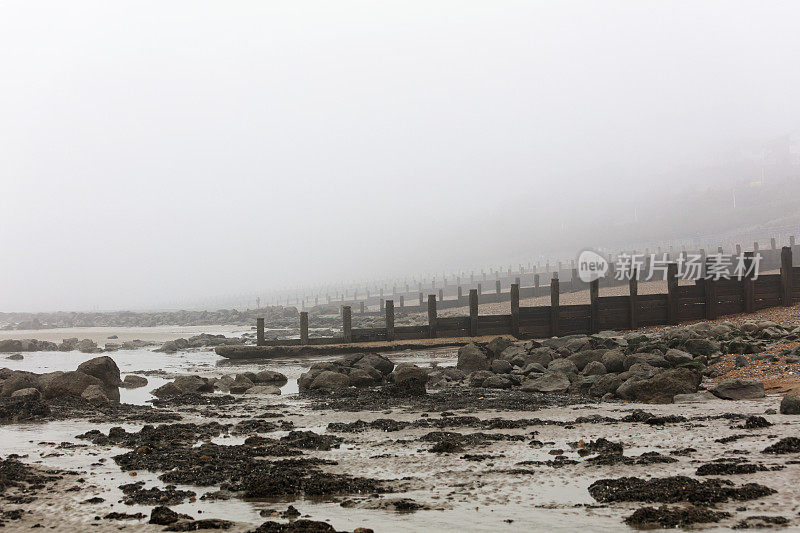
(584, 357)
(103, 368)
(379, 362)
(497, 381)
(361, 378)
(132, 381)
(678, 357)
(790, 405)
(594, 368)
(700, 346)
(27, 393)
(328, 380)
(18, 381)
(194, 384)
(652, 359)
(605, 384)
(662, 387)
(514, 352)
(614, 361)
(549, 382)
(562, 365)
(167, 390)
(477, 378)
(408, 372)
(501, 366)
(74, 383)
(496, 346)
(88, 346)
(95, 394)
(270, 377)
(542, 355)
(472, 358)
(739, 389)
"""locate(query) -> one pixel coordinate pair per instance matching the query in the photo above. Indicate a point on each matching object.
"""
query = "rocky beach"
(687, 426)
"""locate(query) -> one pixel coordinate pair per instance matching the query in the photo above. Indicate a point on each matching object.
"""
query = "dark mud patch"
(762, 522)
(68, 407)
(450, 442)
(173, 434)
(787, 445)
(647, 458)
(754, 422)
(674, 489)
(259, 425)
(135, 493)
(672, 517)
(731, 467)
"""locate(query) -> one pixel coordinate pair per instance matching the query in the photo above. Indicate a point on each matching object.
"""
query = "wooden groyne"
(703, 299)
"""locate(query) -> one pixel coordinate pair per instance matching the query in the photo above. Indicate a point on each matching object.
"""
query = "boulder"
(270, 377)
(103, 368)
(739, 389)
(652, 359)
(501, 366)
(662, 387)
(453, 374)
(361, 378)
(552, 381)
(407, 372)
(594, 368)
(132, 381)
(16, 357)
(327, 380)
(613, 360)
(584, 357)
(790, 405)
(166, 390)
(605, 384)
(496, 346)
(74, 383)
(564, 366)
(477, 378)
(542, 355)
(19, 380)
(194, 384)
(27, 393)
(88, 346)
(378, 362)
(741, 361)
(678, 357)
(582, 384)
(512, 352)
(700, 346)
(534, 368)
(497, 381)
(472, 358)
(95, 394)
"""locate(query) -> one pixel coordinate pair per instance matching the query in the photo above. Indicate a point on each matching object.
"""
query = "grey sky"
(164, 151)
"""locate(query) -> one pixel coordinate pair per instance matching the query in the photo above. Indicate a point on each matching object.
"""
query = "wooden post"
(260, 331)
(473, 312)
(554, 307)
(536, 284)
(347, 324)
(432, 315)
(786, 276)
(382, 305)
(755, 246)
(460, 293)
(497, 286)
(633, 293)
(738, 250)
(480, 290)
(749, 297)
(516, 280)
(791, 240)
(389, 320)
(420, 299)
(711, 299)
(304, 327)
(361, 307)
(594, 306)
(441, 295)
(515, 309)
(402, 301)
(672, 293)
(773, 244)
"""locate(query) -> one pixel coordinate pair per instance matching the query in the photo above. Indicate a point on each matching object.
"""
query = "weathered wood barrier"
(704, 299)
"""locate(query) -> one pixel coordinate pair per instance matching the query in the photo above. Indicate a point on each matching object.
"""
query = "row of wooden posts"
(680, 302)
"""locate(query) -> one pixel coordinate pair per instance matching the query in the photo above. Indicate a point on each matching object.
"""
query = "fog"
(156, 154)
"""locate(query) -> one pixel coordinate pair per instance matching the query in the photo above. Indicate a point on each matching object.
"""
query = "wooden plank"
(554, 331)
(786, 276)
(473, 312)
(432, 315)
(594, 295)
(633, 293)
(673, 296)
(304, 327)
(347, 324)
(389, 320)
(515, 309)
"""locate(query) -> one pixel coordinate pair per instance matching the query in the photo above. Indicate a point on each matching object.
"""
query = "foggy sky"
(160, 152)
